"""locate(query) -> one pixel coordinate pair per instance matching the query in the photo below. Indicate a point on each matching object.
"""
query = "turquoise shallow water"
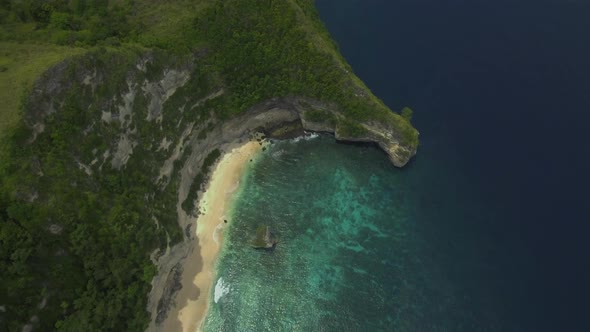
(351, 256)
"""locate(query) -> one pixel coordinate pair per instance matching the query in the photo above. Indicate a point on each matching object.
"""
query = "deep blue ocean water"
(501, 94)
(486, 230)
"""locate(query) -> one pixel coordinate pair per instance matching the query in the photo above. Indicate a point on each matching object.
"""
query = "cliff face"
(320, 117)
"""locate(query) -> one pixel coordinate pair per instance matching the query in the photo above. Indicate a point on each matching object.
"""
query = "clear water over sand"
(351, 255)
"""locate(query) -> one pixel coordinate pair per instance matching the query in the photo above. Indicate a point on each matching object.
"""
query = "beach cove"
(199, 267)
(279, 118)
(356, 247)
(346, 244)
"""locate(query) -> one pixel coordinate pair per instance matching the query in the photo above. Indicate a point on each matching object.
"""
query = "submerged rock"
(264, 238)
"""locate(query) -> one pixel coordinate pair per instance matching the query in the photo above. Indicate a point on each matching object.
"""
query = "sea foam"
(306, 136)
(221, 289)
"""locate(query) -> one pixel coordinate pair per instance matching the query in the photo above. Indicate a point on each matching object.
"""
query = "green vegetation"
(79, 243)
(348, 128)
(96, 250)
(321, 116)
(407, 113)
(99, 261)
(20, 65)
(75, 22)
(76, 233)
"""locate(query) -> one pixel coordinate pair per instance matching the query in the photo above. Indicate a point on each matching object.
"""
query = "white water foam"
(278, 153)
(216, 231)
(306, 136)
(221, 289)
(233, 188)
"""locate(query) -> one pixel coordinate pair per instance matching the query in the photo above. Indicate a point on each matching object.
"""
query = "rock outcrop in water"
(264, 238)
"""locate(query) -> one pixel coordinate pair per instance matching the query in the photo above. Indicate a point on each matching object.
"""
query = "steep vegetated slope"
(104, 155)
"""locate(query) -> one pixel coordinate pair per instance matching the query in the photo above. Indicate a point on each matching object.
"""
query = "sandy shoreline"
(199, 268)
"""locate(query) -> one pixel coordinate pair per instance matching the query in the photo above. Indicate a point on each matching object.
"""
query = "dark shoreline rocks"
(172, 286)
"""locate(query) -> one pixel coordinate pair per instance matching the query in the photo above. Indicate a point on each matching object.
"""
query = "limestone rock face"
(385, 137)
(276, 112)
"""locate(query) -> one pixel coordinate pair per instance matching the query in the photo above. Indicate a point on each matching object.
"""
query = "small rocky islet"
(264, 238)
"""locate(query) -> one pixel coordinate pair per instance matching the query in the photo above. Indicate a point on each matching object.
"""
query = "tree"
(407, 113)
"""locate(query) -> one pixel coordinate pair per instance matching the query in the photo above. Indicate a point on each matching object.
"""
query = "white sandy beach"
(199, 268)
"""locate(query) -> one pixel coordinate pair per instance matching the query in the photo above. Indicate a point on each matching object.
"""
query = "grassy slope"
(165, 23)
(324, 42)
(20, 65)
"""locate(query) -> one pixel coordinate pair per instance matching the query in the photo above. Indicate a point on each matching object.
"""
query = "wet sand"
(199, 267)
